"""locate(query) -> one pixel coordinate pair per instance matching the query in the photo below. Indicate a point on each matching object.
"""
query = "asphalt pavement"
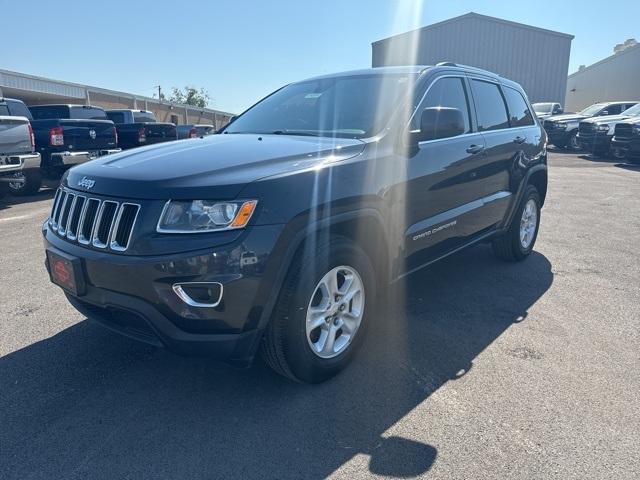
(482, 369)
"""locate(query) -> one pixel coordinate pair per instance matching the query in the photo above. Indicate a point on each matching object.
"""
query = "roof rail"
(446, 64)
(459, 65)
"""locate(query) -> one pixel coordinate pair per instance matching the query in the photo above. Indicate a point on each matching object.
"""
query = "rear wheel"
(322, 313)
(27, 182)
(517, 243)
(618, 153)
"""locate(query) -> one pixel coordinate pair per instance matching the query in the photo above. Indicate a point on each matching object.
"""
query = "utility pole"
(159, 92)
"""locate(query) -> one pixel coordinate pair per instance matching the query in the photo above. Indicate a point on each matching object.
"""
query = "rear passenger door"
(521, 118)
(501, 144)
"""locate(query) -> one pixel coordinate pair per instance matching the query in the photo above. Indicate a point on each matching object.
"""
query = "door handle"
(519, 139)
(473, 149)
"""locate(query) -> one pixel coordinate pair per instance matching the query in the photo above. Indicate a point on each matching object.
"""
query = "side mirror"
(440, 122)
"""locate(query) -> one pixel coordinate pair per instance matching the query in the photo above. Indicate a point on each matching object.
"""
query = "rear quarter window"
(519, 113)
(490, 108)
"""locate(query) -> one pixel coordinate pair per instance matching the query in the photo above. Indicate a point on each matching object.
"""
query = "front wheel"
(573, 143)
(323, 311)
(517, 243)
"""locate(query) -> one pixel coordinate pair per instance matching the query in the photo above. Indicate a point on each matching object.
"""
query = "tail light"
(56, 137)
(142, 135)
(32, 138)
(193, 133)
(115, 134)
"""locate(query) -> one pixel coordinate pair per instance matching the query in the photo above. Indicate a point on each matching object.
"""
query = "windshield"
(349, 107)
(633, 111)
(592, 110)
(542, 107)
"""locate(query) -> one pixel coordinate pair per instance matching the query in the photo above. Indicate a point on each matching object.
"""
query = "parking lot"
(481, 369)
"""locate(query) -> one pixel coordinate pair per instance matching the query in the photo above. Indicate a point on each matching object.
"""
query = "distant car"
(140, 127)
(195, 131)
(626, 138)
(562, 130)
(18, 161)
(67, 135)
(595, 134)
(546, 109)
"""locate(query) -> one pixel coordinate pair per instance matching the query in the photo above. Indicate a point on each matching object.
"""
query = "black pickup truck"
(281, 234)
(140, 127)
(67, 135)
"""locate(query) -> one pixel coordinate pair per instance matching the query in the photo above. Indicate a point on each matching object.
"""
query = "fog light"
(199, 294)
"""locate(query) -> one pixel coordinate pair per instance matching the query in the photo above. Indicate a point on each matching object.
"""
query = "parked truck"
(18, 161)
(626, 139)
(140, 127)
(595, 134)
(67, 135)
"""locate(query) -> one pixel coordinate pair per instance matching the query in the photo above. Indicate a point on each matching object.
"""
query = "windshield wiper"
(295, 132)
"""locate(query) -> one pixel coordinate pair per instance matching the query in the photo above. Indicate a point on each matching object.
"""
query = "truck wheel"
(323, 310)
(517, 243)
(573, 143)
(28, 183)
(618, 153)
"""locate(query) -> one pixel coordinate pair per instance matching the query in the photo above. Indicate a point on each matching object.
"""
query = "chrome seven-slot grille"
(91, 221)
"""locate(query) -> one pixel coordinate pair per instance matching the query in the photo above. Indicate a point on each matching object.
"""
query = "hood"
(565, 117)
(608, 119)
(212, 167)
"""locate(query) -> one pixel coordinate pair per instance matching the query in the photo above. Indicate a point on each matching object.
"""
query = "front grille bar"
(103, 224)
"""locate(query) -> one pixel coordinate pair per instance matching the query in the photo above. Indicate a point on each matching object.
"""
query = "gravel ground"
(482, 369)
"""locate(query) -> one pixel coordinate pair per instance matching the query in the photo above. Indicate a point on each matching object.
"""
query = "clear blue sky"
(240, 50)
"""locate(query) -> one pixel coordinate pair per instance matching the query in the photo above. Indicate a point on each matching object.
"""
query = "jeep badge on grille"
(86, 183)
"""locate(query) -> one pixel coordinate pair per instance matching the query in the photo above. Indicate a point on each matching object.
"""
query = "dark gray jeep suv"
(280, 234)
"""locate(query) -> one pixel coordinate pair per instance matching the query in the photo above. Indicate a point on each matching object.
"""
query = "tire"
(510, 246)
(287, 346)
(31, 186)
(617, 154)
(573, 144)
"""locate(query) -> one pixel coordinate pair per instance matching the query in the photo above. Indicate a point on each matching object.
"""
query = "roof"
(610, 58)
(400, 70)
(485, 18)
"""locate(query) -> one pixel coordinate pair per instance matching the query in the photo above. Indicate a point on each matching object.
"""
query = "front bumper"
(595, 142)
(75, 158)
(134, 295)
(10, 164)
(559, 138)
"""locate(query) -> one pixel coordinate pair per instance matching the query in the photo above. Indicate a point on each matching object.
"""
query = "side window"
(116, 117)
(490, 108)
(612, 110)
(4, 110)
(445, 92)
(519, 113)
(19, 109)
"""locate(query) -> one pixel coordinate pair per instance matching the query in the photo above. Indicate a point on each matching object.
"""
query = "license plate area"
(66, 272)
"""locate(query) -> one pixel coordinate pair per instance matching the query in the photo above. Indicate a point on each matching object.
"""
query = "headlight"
(195, 216)
(603, 128)
(561, 125)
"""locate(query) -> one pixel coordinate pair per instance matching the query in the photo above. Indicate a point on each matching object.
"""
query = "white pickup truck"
(17, 145)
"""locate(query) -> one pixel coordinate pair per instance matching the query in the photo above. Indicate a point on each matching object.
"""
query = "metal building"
(38, 90)
(616, 78)
(536, 58)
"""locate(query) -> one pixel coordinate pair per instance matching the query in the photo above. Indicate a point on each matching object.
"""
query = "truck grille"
(104, 224)
(624, 131)
(586, 128)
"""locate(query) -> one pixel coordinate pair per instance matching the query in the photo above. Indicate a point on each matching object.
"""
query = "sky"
(241, 50)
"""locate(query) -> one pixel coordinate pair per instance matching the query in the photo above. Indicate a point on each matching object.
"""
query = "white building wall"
(616, 78)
